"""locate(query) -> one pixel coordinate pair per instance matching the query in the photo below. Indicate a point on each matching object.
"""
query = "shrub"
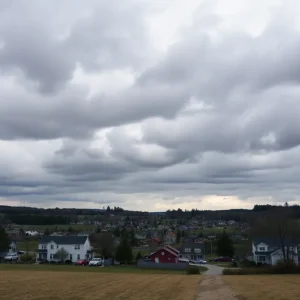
(68, 262)
(192, 270)
(25, 258)
(288, 267)
(248, 263)
(52, 262)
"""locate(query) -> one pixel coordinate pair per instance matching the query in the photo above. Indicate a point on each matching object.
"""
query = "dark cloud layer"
(206, 117)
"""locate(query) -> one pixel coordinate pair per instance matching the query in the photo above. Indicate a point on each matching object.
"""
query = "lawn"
(267, 287)
(85, 269)
(48, 285)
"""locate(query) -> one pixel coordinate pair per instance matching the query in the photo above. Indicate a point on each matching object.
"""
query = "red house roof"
(166, 249)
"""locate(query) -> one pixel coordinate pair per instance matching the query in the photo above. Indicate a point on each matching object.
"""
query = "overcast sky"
(149, 104)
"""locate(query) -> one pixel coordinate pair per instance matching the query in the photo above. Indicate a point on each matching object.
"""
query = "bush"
(68, 262)
(248, 263)
(192, 270)
(52, 262)
(288, 267)
(25, 258)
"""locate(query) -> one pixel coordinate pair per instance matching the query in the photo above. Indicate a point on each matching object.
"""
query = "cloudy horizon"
(149, 105)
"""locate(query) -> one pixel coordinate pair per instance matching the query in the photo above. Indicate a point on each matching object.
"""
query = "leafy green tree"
(61, 254)
(225, 245)
(47, 231)
(4, 240)
(124, 251)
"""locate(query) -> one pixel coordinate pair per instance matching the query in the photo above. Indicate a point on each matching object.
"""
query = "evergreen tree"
(225, 245)
(4, 240)
(47, 231)
(138, 256)
(117, 232)
(124, 250)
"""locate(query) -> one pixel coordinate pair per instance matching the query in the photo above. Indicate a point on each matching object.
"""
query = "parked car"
(11, 257)
(81, 262)
(183, 260)
(96, 262)
(199, 262)
(223, 259)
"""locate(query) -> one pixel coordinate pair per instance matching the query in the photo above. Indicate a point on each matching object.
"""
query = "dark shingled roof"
(64, 240)
(273, 241)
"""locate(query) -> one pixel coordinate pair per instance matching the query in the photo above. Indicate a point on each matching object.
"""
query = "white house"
(269, 250)
(170, 237)
(77, 247)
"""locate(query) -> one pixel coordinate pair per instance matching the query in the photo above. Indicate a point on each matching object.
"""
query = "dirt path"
(212, 287)
(213, 270)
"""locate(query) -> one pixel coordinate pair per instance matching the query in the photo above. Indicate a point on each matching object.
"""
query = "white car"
(198, 262)
(11, 257)
(96, 262)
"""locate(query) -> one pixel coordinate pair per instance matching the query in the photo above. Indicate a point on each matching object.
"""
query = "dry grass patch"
(267, 287)
(42, 285)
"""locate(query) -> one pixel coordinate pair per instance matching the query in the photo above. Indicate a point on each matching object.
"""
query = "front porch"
(42, 254)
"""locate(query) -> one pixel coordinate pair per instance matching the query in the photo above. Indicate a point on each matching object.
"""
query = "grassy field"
(267, 287)
(48, 285)
(80, 269)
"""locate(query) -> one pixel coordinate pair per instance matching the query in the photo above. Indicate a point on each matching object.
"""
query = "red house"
(165, 255)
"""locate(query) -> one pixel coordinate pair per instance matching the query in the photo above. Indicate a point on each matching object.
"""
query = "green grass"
(72, 268)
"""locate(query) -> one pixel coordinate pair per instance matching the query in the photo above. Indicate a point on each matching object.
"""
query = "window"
(78, 256)
(77, 247)
(163, 253)
(262, 259)
(71, 257)
(262, 249)
(52, 246)
(44, 246)
(197, 250)
(51, 256)
(187, 250)
(57, 247)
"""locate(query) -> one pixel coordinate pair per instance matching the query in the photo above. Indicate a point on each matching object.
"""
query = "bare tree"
(61, 254)
(279, 224)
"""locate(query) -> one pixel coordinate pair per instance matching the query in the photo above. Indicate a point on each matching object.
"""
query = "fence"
(170, 266)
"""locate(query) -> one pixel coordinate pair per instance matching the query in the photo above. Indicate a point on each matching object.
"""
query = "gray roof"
(64, 240)
(273, 241)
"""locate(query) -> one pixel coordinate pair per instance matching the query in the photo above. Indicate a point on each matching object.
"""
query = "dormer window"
(262, 249)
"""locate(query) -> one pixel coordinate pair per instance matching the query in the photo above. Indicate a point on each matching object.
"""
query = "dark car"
(81, 262)
(223, 259)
